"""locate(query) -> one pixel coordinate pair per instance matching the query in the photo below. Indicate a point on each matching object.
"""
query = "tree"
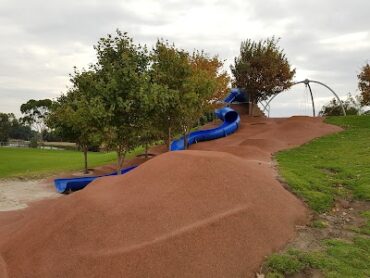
(12, 128)
(151, 103)
(75, 116)
(213, 66)
(122, 71)
(20, 131)
(35, 112)
(364, 84)
(333, 108)
(202, 88)
(5, 126)
(189, 85)
(262, 69)
(169, 71)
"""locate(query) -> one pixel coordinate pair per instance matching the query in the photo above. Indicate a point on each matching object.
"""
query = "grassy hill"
(327, 173)
(335, 166)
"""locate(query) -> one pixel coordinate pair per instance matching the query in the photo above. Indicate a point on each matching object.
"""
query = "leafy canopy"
(122, 81)
(262, 69)
(187, 86)
(75, 115)
(35, 112)
(364, 84)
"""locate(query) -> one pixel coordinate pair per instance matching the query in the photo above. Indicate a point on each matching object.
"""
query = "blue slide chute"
(74, 184)
(230, 123)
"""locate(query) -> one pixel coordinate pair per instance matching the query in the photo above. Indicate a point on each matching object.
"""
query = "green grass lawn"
(333, 166)
(35, 163)
(339, 259)
(328, 168)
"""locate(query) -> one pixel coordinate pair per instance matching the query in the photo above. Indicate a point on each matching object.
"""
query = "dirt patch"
(213, 211)
(17, 194)
(339, 223)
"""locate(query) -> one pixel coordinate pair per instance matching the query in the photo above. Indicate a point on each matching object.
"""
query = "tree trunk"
(185, 139)
(169, 138)
(86, 171)
(251, 103)
(120, 159)
(146, 150)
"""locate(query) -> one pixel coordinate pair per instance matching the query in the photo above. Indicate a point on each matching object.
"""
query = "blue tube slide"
(74, 184)
(230, 123)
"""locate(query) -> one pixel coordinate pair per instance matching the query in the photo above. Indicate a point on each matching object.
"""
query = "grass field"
(35, 163)
(332, 166)
(335, 167)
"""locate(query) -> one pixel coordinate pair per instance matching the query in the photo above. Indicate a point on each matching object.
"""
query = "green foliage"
(131, 97)
(33, 143)
(202, 88)
(333, 108)
(338, 259)
(20, 131)
(12, 128)
(75, 116)
(36, 163)
(364, 84)
(262, 69)
(171, 66)
(4, 127)
(35, 113)
(188, 83)
(122, 83)
(213, 67)
(170, 71)
(331, 166)
(284, 263)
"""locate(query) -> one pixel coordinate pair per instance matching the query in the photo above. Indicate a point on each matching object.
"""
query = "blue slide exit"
(230, 124)
(74, 184)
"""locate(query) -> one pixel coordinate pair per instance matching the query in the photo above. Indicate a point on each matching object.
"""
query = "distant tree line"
(30, 127)
(364, 85)
(13, 128)
(352, 105)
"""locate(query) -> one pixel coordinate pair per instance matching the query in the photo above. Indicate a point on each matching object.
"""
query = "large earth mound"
(198, 213)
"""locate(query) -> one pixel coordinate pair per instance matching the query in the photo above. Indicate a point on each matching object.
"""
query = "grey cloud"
(43, 40)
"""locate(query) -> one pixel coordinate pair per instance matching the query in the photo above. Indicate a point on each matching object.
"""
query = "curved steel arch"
(307, 83)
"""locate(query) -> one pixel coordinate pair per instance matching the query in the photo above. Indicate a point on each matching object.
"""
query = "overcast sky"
(41, 41)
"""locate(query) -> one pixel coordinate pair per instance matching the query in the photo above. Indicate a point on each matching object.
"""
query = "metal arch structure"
(307, 83)
(266, 106)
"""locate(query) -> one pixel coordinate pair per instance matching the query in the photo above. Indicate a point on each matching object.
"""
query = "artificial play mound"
(199, 213)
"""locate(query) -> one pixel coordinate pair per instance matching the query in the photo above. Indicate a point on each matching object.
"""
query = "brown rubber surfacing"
(214, 211)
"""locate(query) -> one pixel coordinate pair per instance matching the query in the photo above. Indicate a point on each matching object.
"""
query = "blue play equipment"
(74, 184)
(230, 124)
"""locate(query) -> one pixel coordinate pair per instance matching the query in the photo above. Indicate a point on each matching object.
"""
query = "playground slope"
(198, 213)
